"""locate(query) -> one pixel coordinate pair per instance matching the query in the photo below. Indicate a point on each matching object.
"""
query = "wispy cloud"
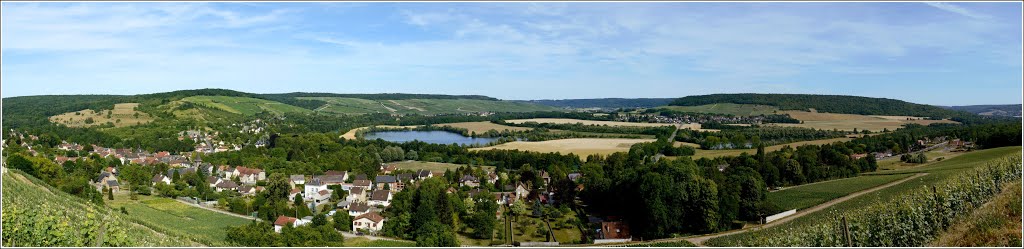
(958, 10)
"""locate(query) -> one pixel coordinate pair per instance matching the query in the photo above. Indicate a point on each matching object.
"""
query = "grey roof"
(423, 173)
(468, 178)
(343, 203)
(297, 178)
(245, 188)
(227, 184)
(405, 176)
(112, 183)
(104, 174)
(332, 179)
(385, 179)
(158, 178)
(361, 177)
(359, 207)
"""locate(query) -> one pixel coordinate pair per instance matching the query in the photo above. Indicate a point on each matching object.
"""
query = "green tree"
(342, 221)
(435, 234)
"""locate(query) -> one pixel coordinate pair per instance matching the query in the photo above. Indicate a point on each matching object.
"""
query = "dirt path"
(700, 239)
(219, 211)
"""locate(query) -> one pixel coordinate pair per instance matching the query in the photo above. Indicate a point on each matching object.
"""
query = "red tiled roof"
(284, 220)
(373, 216)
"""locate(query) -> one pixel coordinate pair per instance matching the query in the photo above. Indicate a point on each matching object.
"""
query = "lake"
(434, 137)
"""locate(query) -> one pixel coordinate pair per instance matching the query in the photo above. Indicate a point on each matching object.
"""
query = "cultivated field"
(585, 122)
(717, 153)
(423, 106)
(727, 108)
(829, 121)
(173, 217)
(351, 134)
(123, 114)
(808, 195)
(582, 147)
(435, 167)
(243, 105)
(483, 126)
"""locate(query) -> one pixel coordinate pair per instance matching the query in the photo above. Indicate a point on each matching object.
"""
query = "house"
(297, 180)
(468, 180)
(113, 185)
(293, 193)
(424, 174)
(356, 194)
(365, 184)
(313, 188)
(287, 221)
(546, 177)
(343, 204)
(386, 182)
(104, 177)
(331, 179)
(213, 181)
(519, 190)
(161, 178)
(226, 185)
(358, 208)
(322, 196)
(343, 174)
(388, 168)
(575, 176)
(858, 156)
(371, 222)
(361, 177)
(246, 190)
(614, 230)
(249, 175)
(380, 197)
(492, 178)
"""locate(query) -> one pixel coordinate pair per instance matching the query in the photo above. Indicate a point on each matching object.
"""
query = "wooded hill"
(825, 103)
(993, 110)
(610, 103)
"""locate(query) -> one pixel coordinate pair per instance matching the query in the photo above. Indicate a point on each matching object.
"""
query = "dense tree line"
(739, 137)
(606, 103)
(426, 214)
(824, 103)
(665, 130)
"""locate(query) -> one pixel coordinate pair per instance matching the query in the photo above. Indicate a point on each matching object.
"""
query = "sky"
(955, 53)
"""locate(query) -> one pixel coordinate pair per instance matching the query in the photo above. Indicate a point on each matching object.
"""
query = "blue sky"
(933, 53)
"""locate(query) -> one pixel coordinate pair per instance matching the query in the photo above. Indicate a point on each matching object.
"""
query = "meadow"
(342, 105)
(244, 105)
(172, 217)
(35, 214)
(435, 167)
(848, 122)
(123, 114)
(701, 153)
(727, 108)
(585, 122)
(809, 195)
(582, 147)
(483, 126)
(947, 174)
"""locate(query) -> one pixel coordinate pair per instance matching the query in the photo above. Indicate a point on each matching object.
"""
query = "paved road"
(700, 239)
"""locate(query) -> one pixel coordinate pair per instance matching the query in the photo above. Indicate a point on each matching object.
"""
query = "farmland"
(483, 126)
(939, 174)
(123, 114)
(701, 153)
(36, 214)
(342, 105)
(243, 105)
(829, 121)
(808, 195)
(173, 217)
(582, 147)
(585, 122)
(435, 167)
(727, 108)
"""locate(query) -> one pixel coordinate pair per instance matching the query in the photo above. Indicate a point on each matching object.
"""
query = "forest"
(824, 103)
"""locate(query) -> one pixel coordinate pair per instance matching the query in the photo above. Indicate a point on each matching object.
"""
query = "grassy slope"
(424, 106)
(174, 217)
(727, 108)
(996, 224)
(30, 207)
(804, 196)
(243, 105)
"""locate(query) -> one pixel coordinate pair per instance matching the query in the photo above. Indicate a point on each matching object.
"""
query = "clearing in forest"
(582, 147)
(123, 114)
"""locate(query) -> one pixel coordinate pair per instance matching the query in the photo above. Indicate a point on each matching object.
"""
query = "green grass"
(937, 173)
(173, 217)
(243, 105)
(35, 214)
(727, 108)
(364, 242)
(424, 106)
(808, 195)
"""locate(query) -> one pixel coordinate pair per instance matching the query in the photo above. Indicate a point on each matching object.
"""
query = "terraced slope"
(243, 105)
(343, 105)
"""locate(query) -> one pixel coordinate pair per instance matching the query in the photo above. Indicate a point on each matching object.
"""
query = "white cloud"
(958, 10)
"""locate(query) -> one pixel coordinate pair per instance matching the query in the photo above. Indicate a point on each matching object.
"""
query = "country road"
(699, 240)
(219, 211)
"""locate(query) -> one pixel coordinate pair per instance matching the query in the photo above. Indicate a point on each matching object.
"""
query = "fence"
(778, 216)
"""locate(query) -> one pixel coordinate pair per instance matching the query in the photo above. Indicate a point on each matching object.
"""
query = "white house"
(380, 197)
(313, 188)
(161, 178)
(371, 221)
(297, 180)
(357, 209)
(249, 175)
(287, 221)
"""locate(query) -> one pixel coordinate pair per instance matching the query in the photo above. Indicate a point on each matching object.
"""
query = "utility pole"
(846, 233)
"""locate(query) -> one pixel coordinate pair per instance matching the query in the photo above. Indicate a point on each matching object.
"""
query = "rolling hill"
(604, 103)
(824, 103)
(36, 214)
(991, 110)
